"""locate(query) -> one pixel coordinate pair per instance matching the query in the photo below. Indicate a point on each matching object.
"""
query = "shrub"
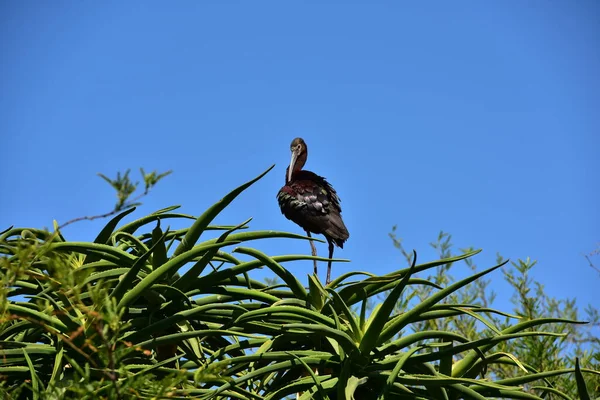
(146, 312)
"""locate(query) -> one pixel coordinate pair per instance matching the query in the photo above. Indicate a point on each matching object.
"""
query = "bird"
(312, 203)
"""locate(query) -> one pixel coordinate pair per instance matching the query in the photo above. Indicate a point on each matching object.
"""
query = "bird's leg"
(329, 262)
(314, 251)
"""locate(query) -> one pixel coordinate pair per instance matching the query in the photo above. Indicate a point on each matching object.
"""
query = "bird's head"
(299, 154)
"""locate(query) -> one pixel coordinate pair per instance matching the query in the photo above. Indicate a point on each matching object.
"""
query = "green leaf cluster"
(125, 187)
(148, 312)
(576, 343)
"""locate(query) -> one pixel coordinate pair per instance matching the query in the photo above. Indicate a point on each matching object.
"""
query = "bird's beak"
(292, 164)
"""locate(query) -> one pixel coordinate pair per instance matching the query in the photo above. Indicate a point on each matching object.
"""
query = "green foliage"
(531, 302)
(146, 312)
(124, 188)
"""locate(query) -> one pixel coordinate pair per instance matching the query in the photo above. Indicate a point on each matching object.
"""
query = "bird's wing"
(314, 205)
(319, 187)
(311, 193)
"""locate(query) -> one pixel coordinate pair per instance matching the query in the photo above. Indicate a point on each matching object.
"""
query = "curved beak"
(292, 164)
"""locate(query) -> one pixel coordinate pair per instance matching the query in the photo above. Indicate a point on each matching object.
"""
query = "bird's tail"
(337, 230)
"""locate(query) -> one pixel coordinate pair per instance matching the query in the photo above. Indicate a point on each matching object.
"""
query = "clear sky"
(479, 118)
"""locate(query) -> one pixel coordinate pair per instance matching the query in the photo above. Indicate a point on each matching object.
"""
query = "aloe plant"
(145, 311)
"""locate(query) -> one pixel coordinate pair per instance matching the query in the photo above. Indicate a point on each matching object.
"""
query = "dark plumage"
(311, 202)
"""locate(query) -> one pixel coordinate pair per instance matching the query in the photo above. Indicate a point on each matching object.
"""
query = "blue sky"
(477, 118)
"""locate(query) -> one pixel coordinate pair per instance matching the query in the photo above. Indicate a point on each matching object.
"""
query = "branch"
(124, 188)
(125, 206)
(587, 257)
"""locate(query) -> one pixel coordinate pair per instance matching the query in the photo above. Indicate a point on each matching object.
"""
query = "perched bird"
(311, 202)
